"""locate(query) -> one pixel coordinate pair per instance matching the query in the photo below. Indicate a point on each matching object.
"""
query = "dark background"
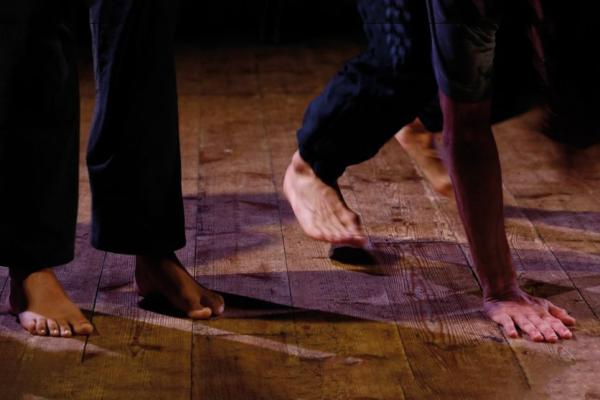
(570, 37)
(256, 21)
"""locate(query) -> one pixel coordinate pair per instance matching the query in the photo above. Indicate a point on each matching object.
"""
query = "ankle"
(19, 275)
(151, 259)
(299, 165)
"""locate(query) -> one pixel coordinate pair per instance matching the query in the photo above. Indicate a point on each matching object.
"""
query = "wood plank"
(220, 71)
(43, 366)
(560, 206)
(144, 347)
(436, 297)
(356, 327)
(240, 252)
(239, 232)
(297, 324)
(556, 251)
(545, 365)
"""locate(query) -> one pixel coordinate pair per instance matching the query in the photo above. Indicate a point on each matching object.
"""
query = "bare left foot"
(320, 207)
(167, 278)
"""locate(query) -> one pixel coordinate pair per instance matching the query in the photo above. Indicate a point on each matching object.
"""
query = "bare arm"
(475, 171)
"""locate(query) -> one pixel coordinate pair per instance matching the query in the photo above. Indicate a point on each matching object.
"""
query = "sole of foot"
(420, 146)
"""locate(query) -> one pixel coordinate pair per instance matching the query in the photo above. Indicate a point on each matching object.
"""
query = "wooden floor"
(298, 325)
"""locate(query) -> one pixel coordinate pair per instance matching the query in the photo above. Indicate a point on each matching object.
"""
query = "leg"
(39, 127)
(516, 89)
(363, 106)
(420, 140)
(463, 53)
(133, 154)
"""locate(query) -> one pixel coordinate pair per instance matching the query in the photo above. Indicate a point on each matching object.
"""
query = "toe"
(313, 231)
(200, 313)
(82, 327)
(65, 329)
(53, 328)
(351, 221)
(28, 322)
(214, 301)
(41, 326)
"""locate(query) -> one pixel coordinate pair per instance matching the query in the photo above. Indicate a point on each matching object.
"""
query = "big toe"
(444, 187)
(215, 302)
(200, 313)
(28, 322)
(82, 327)
(352, 237)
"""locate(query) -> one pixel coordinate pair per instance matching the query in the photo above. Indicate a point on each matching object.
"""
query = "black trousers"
(390, 84)
(133, 153)
(374, 94)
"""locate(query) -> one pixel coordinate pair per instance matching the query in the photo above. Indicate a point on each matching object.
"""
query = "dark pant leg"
(133, 156)
(463, 34)
(517, 84)
(375, 94)
(39, 126)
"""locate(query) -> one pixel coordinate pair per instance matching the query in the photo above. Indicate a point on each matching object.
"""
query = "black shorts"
(463, 34)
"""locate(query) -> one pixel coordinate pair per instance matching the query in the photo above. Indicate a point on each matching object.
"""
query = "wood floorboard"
(353, 311)
(406, 324)
(436, 297)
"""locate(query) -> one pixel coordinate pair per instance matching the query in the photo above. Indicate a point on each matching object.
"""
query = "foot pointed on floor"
(320, 207)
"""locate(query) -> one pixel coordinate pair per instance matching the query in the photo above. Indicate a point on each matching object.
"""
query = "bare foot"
(43, 307)
(319, 207)
(419, 144)
(167, 278)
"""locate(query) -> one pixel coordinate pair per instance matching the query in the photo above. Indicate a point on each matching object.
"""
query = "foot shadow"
(236, 306)
(366, 261)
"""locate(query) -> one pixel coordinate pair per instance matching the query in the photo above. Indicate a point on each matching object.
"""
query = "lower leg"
(39, 115)
(420, 145)
(475, 170)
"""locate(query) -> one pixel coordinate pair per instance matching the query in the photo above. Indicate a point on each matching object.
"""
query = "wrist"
(501, 291)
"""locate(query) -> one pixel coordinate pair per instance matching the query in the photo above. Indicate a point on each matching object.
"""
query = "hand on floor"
(541, 320)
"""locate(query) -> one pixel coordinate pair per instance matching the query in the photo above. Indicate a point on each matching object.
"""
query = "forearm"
(474, 166)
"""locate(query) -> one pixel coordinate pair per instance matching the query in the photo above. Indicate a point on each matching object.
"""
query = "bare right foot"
(43, 307)
(166, 278)
(320, 208)
(419, 144)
